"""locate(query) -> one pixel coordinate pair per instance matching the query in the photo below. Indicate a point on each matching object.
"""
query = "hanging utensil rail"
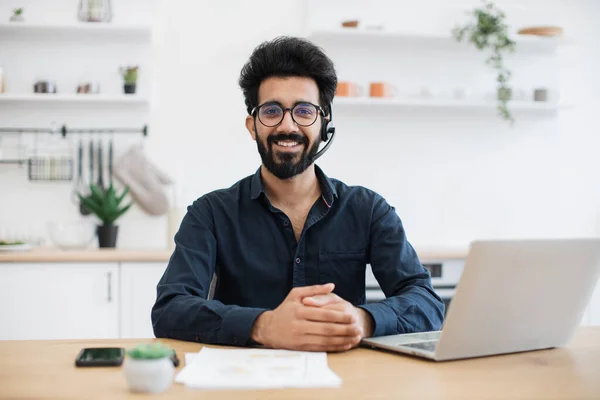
(64, 131)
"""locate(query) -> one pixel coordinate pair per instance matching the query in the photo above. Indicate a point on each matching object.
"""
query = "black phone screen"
(100, 356)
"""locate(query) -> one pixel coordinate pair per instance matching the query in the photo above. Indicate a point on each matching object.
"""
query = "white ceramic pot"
(152, 376)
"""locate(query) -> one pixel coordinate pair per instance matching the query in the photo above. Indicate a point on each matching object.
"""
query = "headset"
(327, 133)
(327, 128)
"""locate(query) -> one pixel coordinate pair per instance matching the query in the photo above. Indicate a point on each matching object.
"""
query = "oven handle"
(445, 293)
(376, 294)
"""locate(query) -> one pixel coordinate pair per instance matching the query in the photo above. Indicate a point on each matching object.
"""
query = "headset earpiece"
(327, 128)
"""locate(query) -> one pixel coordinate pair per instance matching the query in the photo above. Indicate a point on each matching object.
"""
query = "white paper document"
(256, 369)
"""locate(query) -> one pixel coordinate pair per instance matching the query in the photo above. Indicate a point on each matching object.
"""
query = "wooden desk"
(46, 370)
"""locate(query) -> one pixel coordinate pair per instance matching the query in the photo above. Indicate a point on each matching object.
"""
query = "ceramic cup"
(382, 89)
(545, 95)
(348, 89)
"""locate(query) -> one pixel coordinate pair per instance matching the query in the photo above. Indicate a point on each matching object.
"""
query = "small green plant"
(150, 351)
(129, 74)
(18, 11)
(9, 243)
(489, 32)
(105, 203)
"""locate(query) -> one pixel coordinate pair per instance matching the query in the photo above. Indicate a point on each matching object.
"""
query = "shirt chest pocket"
(347, 271)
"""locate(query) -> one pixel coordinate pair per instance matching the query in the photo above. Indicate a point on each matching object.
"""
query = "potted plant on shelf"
(489, 32)
(130, 75)
(149, 368)
(17, 15)
(106, 205)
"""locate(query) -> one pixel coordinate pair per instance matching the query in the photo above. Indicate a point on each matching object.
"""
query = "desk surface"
(45, 370)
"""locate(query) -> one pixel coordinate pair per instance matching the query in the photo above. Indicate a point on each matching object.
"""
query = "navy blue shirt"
(238, 235)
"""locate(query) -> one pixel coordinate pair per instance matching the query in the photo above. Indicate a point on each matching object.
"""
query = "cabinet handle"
(109, 288)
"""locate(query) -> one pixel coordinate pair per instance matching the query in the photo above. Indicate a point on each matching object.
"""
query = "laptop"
(513, 296)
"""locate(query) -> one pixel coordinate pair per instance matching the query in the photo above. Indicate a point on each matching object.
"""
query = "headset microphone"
(327, 135)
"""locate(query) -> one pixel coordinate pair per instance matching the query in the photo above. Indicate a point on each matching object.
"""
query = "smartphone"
(174, 359)
(100, 357)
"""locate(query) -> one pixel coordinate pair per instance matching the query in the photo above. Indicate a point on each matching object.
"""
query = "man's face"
(286, 149)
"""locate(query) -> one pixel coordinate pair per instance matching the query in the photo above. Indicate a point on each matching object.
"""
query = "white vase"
(153, 376)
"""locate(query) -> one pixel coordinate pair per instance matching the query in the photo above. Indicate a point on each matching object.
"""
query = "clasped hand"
(313, 318)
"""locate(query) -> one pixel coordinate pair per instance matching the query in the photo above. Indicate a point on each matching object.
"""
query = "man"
(288, 245)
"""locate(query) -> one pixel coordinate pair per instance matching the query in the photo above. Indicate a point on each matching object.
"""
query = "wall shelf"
(73, 98)
(375, 103)
(75, 30)
(352, 36)
(17, 161)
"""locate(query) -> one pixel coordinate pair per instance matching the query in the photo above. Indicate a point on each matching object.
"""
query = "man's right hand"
(294, 326)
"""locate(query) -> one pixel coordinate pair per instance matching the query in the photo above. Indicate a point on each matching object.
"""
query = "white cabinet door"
(138, 294)
(59, 301)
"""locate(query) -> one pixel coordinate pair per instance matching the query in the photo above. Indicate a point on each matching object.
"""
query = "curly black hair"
(288, 56)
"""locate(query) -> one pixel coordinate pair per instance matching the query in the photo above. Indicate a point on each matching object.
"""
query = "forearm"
(415, 309)
(192, 318)
(411, 305)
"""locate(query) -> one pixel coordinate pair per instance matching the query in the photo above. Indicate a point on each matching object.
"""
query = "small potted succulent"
(106, 205)
(149, 368)
(17, 15)
(130, 75)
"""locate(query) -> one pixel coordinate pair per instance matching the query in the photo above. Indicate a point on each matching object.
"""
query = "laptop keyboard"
(427, 346)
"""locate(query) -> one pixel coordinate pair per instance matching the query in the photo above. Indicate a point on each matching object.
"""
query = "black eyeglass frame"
(255, 112)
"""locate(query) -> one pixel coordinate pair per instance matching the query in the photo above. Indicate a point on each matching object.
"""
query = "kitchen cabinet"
(138, 294)
(95, 300)
(59, 301)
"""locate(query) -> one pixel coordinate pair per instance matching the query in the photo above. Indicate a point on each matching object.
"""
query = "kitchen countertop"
(50, 254)
(433, 253)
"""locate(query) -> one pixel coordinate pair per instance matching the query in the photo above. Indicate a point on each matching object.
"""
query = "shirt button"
(298, 261)
(285, 223)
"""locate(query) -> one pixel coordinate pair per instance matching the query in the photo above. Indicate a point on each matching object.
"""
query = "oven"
(445, 275)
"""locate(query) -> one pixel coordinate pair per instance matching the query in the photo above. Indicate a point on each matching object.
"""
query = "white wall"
(26, 206)
(453, 176)
(459, 175)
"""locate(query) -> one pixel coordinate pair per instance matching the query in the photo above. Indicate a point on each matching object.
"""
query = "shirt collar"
(328, 191)
(327, 188)
(256, 187)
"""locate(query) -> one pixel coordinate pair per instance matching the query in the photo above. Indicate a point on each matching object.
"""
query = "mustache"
(295, 137)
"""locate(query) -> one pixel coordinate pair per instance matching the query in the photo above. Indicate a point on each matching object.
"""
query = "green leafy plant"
(489, 32)
(150, 351)
(18, 11)
(129, 74)
(9, 243)
(105, 203)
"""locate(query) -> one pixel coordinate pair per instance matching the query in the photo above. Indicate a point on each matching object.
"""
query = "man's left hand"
(331, 301)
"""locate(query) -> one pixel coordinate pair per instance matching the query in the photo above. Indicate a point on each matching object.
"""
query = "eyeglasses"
(303, 114)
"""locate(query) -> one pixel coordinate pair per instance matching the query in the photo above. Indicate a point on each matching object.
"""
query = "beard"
(282, 164)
